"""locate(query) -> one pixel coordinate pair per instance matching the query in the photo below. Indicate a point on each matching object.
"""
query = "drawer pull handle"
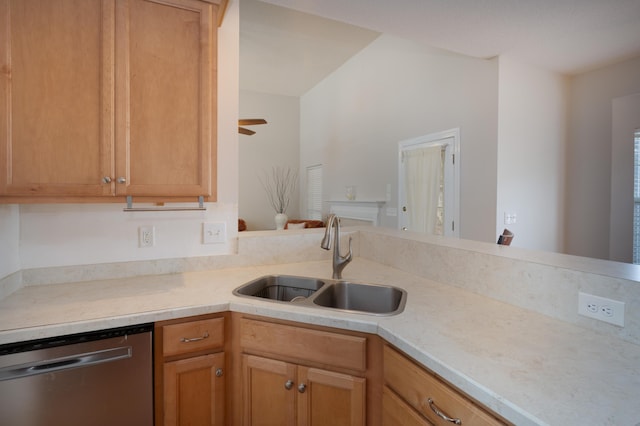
(195, 339)
(442, 415)
(288, 385)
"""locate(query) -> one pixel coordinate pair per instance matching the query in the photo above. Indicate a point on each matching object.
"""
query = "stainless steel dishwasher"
(98, 378)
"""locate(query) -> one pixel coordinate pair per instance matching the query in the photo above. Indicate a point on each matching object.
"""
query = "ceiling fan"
(249, 122)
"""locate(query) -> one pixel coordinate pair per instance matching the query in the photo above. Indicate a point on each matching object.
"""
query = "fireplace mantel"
(366, 211)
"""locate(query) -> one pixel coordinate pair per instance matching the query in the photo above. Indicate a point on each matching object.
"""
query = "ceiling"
(288, 46)
(287, 52)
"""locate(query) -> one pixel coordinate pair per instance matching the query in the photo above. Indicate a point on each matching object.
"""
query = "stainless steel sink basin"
(285, 288)
(372, 299)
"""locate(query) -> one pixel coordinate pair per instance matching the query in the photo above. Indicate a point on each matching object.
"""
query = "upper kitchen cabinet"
(56, 97)
(165, 97)
(104, 98)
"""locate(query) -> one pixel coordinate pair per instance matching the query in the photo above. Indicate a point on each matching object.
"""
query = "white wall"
(275, 144)
(532, 138)
(58, 234)
(9, 239)
(394, 90)
(589, 160)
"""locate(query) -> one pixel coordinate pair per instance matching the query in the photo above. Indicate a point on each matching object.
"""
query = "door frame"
(451, 140)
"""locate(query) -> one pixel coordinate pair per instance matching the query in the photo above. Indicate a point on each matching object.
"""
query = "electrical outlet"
(146, 236)
(601, 308)
(214, 232)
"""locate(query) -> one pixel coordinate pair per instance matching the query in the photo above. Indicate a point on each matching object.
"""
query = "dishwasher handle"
(64, 363)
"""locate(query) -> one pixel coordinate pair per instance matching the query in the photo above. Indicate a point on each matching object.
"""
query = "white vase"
(281, 220)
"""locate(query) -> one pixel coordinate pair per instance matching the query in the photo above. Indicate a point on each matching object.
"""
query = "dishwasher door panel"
(103, 382)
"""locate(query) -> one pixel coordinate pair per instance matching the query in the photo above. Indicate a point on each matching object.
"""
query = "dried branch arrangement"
(279, 186)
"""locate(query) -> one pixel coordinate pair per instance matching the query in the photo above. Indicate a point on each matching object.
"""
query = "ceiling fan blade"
(251, 121)
(244, 131)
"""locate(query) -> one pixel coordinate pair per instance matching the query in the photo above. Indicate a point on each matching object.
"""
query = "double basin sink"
(346, 296)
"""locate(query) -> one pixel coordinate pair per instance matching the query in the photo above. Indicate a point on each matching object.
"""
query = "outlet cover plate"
(146, 236)
(601, 308)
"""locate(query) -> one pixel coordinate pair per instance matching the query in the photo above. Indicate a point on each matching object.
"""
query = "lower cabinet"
(295, 375)
(194, 391)
(280, 393)
(414, 396)
(190, 372)
(272, 372)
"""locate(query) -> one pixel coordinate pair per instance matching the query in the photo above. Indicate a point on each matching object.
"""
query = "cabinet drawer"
(192, 336)
(417, 386)
(323, 347)
(396, 412)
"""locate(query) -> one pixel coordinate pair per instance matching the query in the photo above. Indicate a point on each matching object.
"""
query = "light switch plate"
(214, 232)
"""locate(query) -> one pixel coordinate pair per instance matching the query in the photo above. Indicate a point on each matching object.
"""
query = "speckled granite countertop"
(528, 367)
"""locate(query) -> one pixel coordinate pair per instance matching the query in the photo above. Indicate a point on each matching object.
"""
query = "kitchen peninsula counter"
(527, 367)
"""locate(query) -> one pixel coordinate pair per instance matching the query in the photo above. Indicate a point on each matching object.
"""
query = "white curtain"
(423, 183)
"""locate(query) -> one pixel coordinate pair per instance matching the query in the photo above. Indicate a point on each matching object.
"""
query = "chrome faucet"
(339, 262)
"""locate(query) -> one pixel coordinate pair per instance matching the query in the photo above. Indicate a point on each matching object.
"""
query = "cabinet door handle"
(195, 339)
(106, 179)
(122, 179)
(219, 372)
(288, 385)
(442, 415)
(302, 387)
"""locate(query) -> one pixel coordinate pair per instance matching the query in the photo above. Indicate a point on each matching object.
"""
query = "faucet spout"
(339, 262)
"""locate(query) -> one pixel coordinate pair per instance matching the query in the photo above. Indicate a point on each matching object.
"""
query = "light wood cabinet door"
(269, 392)
(194, 391)
(281, 393)
(329, 398)
(165, 97)
(56, 97)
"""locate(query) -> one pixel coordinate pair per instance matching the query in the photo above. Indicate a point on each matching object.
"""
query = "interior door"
(448, 205)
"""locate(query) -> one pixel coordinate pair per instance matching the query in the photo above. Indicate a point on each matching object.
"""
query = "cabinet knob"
(302, 387)
(122, 180)
(288, 385)
(106, 179)
(219, 372)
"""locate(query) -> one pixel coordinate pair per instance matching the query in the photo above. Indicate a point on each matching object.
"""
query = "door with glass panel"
(429, 183)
